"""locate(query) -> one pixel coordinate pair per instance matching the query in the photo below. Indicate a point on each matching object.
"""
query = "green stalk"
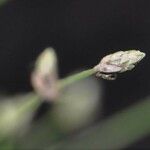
(76, 77)
(35, 99)
(32, 103)
(18, 115)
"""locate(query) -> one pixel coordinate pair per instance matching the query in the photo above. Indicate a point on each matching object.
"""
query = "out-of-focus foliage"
(78, 104)
(75, 109)
(116, 132)
(15, 114)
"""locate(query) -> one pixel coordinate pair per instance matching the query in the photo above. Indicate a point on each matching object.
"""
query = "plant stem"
(34, 100)
(76, 77)
(32, 103)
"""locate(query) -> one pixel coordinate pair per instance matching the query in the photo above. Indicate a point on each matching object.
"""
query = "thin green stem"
(32, 103)
(75, 77)
(20, 111)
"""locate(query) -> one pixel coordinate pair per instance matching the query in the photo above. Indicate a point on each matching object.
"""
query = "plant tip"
(118, 62)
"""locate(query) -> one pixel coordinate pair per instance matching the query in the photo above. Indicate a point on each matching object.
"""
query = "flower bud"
(119, 62)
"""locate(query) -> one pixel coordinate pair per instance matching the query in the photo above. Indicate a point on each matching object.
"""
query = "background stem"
(116, 132)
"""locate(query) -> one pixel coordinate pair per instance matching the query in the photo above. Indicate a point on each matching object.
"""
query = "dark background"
(81, 31)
